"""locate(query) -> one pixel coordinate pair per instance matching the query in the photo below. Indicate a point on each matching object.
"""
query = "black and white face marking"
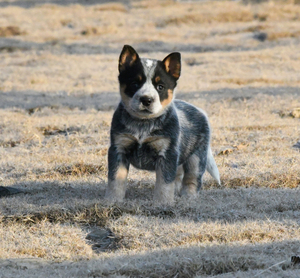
(147, 85)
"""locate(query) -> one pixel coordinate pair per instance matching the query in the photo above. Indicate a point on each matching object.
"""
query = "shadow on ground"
(32, 3)
(34, 100)
(229, 205)
(55, 46)
(249, 259)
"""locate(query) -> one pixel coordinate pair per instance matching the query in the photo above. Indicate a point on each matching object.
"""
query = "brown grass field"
(58, 89)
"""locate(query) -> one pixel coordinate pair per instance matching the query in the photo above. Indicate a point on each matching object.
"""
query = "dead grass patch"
(40, 108)
(198, 261)
(11, 31)
(268, 180)
(54, 130)
(88, 31)
(112, 7)
(265, 128)
(140, 232)
(235, 13)
(202, 18)
(248, 81)
(65, 22)
(278, 11)
(98, 31)
(294, 113)
(255, 28)
(9, 143)
(189, 261)
(67, 241)
(229, 150)
(262, 16)
(274, 36)
(95, 215)
(146, 4)
(79, 169)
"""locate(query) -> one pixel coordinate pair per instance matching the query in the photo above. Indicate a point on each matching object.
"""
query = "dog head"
(147, 85)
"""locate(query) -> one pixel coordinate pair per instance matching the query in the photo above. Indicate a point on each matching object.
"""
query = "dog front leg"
(118, 167)
(165, 180)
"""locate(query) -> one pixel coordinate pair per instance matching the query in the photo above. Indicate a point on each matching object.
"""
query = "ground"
(58, 89)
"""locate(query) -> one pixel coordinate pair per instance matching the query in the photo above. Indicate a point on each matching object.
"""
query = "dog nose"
(146, 101)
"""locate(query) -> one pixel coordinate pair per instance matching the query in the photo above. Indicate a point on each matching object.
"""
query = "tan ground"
(58, 88)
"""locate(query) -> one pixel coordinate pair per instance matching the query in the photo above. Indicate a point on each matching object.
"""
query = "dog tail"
(211, 166)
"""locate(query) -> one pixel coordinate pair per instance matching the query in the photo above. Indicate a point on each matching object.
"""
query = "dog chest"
(142, 151)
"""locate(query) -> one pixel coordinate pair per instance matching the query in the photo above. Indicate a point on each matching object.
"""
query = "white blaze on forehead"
(149, 63)
(149, 67)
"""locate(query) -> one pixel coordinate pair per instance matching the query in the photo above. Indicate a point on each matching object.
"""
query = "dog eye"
(134, 85)
(160, 87)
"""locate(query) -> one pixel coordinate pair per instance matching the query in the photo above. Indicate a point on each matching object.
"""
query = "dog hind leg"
(191, 171)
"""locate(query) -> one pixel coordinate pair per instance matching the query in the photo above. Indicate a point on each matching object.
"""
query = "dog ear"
(173, 64)
(127, 58)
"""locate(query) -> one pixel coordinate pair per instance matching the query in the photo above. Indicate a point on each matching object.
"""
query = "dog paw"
(163, 201)
(111, 197)
(164, 194)
(189, 192)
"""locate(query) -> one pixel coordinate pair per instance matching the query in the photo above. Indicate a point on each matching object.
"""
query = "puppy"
(154, 132)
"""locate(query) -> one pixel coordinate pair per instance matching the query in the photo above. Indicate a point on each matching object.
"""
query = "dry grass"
(294, 113)
(43, 240)
(224, 12)
(79, 169)
(115, 7)
(58, 88)
(146, 233)
(242, 15)
(250, 81)
(10, 31)
(284, 34)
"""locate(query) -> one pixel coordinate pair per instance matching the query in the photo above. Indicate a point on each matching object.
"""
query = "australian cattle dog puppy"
(154, 132)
